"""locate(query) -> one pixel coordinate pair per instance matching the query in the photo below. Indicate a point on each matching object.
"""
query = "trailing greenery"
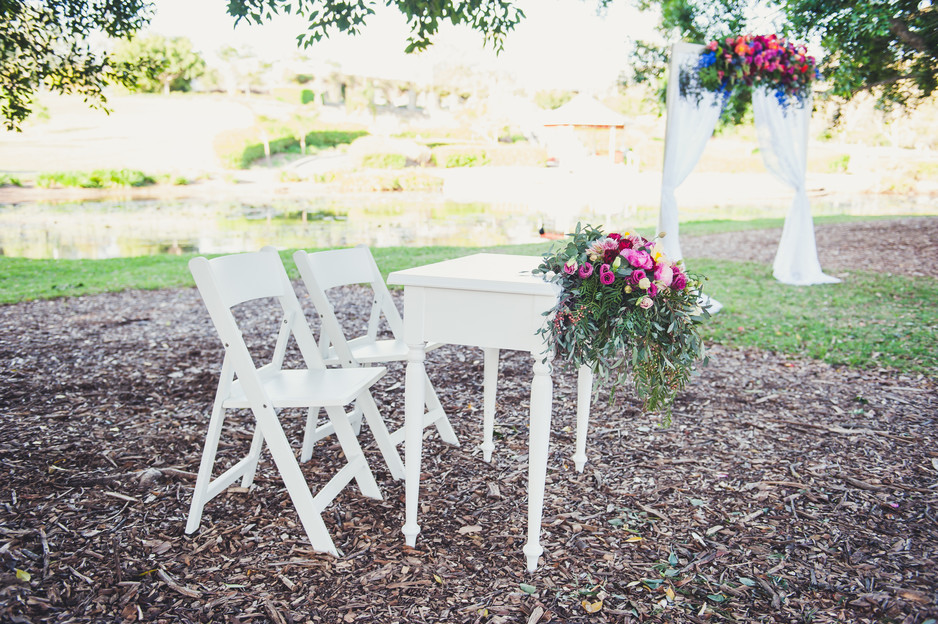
(99, 178)
(627, 312)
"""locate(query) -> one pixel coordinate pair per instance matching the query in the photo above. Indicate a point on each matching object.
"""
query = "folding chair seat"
(224, 283)
(324, 270)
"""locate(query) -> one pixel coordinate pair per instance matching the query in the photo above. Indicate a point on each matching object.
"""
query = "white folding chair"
(225, 282)
(324, 270)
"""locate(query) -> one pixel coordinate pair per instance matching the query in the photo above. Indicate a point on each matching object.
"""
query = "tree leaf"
(591, 607)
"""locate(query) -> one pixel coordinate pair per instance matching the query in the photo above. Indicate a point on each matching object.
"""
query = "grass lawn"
(866, 321)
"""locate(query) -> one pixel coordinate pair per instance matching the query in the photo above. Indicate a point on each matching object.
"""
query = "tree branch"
(901, 30)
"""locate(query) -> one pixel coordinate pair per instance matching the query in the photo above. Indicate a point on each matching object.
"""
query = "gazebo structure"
(587, 120)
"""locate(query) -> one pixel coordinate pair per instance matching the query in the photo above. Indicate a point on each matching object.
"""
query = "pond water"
(108, 229)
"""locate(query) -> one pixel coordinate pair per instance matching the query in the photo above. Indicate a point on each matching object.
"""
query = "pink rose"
(638, 259)
(586, 269)
(652, 290)
(664, 273)
(680, 281)
(645, 303)
(645, 260)
(637, 276)
(569, 267)
(606, 276)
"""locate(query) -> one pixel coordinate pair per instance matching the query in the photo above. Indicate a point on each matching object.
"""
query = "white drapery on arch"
(783, 141)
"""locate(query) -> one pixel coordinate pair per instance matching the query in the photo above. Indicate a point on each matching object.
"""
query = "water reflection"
(109, 229)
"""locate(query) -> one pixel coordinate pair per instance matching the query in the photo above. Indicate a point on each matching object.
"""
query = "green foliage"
(381, 181)
(384, 161)
(160, 64)
(99, 178)
(8, 180)
(696, 21)
(239, 149)
(621, 314)
(886, 47)
(550, 100)
(46, 43)
(839, 164)
(493, 18)
(460, 156)
(293, 95)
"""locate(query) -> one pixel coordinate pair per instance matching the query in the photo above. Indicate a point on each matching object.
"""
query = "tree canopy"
(886, 47)
(160, 63)
(889, 47)
(46, 43)
(493, 18)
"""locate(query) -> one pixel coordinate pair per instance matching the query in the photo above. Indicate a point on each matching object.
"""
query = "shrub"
(294, 95)
(839, 164)
(459, 156)
(100, 178)
(382, 181)
(239, 149)
(384, 161)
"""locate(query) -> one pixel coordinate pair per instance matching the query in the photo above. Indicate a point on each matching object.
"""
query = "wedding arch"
(700, 79)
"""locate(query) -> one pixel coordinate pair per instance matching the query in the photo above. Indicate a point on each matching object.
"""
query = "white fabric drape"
(783, 141)
(690, 123)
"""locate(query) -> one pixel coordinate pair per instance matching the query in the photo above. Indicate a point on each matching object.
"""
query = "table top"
(503, 273)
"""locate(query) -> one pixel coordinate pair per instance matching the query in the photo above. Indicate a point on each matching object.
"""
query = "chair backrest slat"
(323, 270)
(228, 281)
(247, 276)
(341, 267)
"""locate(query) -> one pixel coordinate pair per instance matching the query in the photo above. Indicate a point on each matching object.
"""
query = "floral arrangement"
(625, 308)
(755, 60)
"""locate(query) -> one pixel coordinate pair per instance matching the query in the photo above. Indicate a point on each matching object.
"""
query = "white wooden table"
(490, 301)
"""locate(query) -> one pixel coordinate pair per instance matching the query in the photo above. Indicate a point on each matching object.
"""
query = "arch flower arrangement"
(753, 60)
(625, 308)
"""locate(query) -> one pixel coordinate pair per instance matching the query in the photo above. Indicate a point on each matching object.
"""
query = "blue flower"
(706, 60)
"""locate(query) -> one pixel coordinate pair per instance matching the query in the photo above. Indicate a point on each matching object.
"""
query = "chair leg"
(294, 480)
(353, 452)
(314, 432)
(443, 426)
(254, 455)
(309, 434)
(204, 479)
(380, 431)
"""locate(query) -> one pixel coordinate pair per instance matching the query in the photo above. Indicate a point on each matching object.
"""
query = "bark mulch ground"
(787, 490)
